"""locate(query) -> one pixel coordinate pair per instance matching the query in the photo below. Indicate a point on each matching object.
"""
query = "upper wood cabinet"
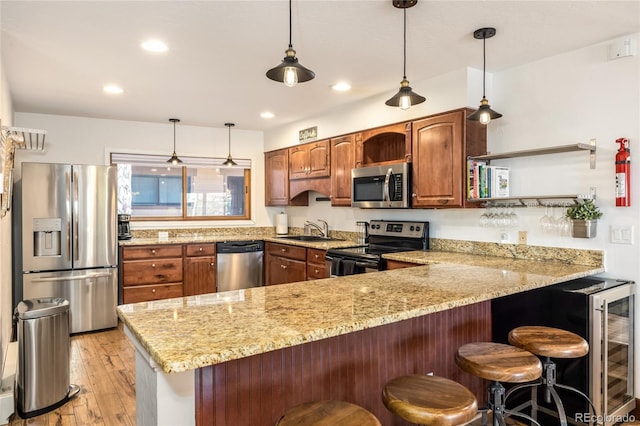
(276, 171)
(343, 154)
(310, 160)
(441, 144)
(383, 145)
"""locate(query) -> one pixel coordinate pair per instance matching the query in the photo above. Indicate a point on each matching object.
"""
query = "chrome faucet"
(324, 229)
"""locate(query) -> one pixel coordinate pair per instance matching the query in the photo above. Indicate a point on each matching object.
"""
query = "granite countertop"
(215, 238)
(187, 333)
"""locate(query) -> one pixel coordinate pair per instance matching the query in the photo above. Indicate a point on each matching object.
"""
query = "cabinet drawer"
(285, 250)
(316, 271)
(316, 256)
(146, 293)
(152, 271)
(201, 249)
(151, 252)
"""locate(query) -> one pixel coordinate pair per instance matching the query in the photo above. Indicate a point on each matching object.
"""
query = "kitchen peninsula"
(244, 357)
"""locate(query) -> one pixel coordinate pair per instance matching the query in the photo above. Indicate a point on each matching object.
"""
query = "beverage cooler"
(601, 311)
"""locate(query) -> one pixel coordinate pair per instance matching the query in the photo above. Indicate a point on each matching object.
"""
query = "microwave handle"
(387, 178)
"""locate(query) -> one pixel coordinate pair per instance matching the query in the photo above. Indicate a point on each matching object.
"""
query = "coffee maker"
(124, 228)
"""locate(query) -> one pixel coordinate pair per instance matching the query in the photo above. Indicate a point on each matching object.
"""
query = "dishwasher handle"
(240, 247)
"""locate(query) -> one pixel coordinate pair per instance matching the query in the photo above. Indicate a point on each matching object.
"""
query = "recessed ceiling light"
(341, 86)
(153, 45)
(112, 89)
(267, 114)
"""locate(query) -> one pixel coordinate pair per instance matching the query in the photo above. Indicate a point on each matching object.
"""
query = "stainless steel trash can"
(43, 355)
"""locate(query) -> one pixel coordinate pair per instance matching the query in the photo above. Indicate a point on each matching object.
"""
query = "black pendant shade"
(290, 71)
(405, 96)
(174, 157)
(484, 114)
(229, 161)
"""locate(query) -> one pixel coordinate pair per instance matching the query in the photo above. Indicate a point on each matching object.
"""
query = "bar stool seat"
(549, 342)
(328, 413)
(499, 363)
(429, 400)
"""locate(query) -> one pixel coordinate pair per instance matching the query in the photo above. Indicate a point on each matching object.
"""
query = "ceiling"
(59, 54)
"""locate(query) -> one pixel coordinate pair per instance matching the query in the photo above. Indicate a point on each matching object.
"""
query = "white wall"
(90, 141)
(6, 113)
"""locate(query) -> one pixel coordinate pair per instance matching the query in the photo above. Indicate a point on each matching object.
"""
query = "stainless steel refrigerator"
(68, 232)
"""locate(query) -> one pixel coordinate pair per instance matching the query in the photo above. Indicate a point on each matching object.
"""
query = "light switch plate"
(621, 234)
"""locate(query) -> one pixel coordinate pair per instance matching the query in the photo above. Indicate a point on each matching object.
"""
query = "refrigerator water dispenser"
(46, 236)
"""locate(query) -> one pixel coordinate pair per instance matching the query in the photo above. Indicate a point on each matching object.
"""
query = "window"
(151, 189)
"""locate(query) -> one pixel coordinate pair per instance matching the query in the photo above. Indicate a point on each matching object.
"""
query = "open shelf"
(591, 147)
(531, 200)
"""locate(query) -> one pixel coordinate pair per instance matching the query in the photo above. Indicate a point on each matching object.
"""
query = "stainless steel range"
(384, 237)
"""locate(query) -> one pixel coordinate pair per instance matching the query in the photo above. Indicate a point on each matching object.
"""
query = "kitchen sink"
(310, 238)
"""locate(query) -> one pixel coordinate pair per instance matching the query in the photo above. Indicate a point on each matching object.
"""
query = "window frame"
(195, 162)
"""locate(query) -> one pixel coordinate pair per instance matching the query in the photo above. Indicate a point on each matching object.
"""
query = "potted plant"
(584, 217)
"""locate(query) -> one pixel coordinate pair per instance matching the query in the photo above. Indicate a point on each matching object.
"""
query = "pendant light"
(290, 72)
(229, 161)
(484, 114)
(405, 96)
(174, 158)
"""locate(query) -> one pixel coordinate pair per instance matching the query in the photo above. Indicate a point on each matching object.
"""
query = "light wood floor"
(103, 365)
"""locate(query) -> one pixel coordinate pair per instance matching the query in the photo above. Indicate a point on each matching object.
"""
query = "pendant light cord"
(404, 69)
(229, 127)
(290, 44)
(484, 64)
(174, 137)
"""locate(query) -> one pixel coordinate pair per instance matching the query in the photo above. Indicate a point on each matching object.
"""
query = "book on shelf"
(485, 181)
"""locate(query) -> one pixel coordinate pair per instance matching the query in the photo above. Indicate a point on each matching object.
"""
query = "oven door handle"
(370, 265)
(387, 178)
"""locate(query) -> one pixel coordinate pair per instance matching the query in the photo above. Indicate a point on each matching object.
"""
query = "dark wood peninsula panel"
(353, 367)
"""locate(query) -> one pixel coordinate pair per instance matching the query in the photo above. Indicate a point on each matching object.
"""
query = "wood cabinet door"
(319, 156)
(280, 270)
(298, 162)
(343, 151)
(438, 160)
(276, 180)
(199, 275)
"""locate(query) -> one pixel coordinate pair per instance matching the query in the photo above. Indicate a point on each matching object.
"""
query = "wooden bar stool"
(548, 342)
(328, 413)
(429, 400)
(499, 363)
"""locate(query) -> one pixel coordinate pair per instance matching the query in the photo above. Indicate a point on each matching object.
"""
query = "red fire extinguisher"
(623, 169)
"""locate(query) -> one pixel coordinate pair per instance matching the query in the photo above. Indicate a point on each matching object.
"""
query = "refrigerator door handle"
(76, 249)
(72, 278)
(68, 207)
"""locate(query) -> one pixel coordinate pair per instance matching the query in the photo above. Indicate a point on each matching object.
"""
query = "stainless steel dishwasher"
(240, 265)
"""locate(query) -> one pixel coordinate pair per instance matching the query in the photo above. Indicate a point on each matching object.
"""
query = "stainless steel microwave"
(380, 187)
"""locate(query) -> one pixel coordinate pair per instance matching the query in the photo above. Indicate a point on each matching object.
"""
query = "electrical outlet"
(522, 237)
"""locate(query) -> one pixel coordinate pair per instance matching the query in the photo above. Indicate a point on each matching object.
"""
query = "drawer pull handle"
(283, 266)
(153, 251)
(212, 264)
(200, 249)
(317, 256)
(153, 290)
(317, 271)
(283, 249)
(153, 265)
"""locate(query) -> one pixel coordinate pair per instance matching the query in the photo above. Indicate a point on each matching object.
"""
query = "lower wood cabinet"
(151, 272)
(396, 264)
(316, 266)
(284, 263)
(199, 269)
